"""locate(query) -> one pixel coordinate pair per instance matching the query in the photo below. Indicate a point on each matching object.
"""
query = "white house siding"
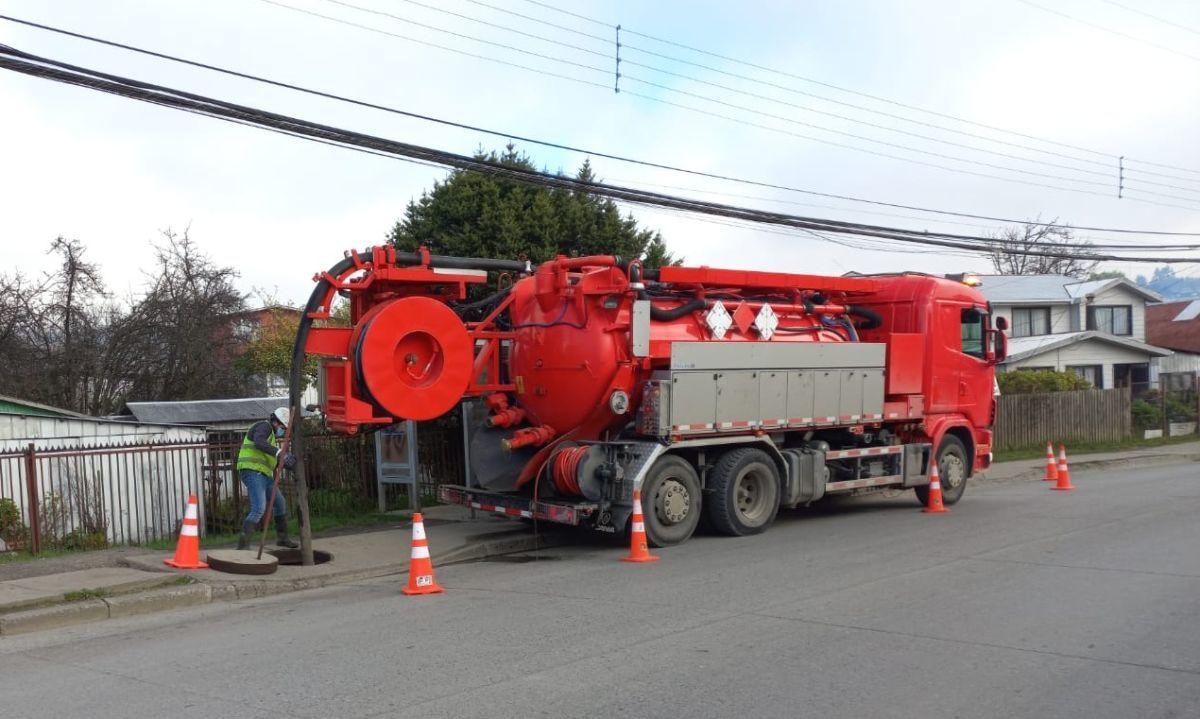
(1119, 295)
(17, 431)
(141, 494)
(1179, 362)
(1060, 315)
(1089, 352)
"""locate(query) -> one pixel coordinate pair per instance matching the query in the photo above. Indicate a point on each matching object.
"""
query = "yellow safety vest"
(251, 457)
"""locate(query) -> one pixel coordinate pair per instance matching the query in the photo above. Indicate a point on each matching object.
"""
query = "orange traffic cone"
(1064, 474)
(1051, 467)
(420, 566)
(187, 549)
(638, 550)
(935, 490)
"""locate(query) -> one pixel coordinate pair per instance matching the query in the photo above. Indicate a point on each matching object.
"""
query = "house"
(1095, 328)
(230, 416)
(1176, 326)
(270, 321)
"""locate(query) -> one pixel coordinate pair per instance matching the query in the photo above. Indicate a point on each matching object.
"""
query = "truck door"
(964, 362)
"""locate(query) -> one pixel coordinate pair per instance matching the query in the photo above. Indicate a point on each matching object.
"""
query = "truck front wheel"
(952, 471)
(744, 496)
(670, 501)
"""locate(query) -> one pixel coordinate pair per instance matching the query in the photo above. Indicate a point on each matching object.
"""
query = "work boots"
(281, 534)
(248, 530)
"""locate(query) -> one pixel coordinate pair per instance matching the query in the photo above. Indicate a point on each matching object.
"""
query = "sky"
(804, 95)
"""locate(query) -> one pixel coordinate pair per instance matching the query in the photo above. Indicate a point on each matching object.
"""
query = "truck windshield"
(974, 322)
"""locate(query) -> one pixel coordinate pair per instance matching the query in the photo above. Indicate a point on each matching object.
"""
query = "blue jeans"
(258, 486)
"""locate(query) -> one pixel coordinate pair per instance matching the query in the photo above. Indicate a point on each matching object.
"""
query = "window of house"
(1029, 321)
(1093, 373)
(1113, 319)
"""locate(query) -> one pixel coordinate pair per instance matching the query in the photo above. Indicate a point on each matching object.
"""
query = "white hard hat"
(281, 415)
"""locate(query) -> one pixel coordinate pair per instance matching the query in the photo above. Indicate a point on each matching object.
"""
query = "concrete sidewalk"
(1025, 469)
(147, 585)
(144, 584)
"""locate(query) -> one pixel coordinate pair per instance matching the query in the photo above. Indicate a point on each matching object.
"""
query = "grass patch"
(1010, 455)
(82, 594)
(183, 580)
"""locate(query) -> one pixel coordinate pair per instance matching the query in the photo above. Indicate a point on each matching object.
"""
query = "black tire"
(743, 496)
(671, 501)
(953, 469)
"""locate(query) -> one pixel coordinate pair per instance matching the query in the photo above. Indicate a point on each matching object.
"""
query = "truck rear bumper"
(518, 507)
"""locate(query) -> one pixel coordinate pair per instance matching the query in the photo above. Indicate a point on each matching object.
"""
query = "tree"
(475, 214)
(1108, 275)
(177, 339)
(1009, 251)
(270, 352)
(52, 332)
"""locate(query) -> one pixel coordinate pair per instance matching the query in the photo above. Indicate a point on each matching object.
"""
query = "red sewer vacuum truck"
(722, 393)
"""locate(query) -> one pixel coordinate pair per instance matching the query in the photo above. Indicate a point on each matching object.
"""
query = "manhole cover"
(241, 561)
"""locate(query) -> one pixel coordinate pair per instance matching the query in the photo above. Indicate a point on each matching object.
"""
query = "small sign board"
(396, 460)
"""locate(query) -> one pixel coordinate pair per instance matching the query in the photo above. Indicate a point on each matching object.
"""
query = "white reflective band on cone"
(419, 530)
(191, 512)
(935, 484)
(420, 553)
(639, 526)
(190, 530)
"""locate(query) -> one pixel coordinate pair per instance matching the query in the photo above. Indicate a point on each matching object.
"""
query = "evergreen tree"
(476, 214)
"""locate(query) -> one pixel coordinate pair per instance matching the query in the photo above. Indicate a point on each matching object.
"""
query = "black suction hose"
(294, 381)
(873, 318)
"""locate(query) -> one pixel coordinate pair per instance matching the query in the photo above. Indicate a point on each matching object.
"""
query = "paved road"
(1020, 603)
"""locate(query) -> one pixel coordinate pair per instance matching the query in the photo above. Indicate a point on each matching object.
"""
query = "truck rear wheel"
(953, 469)
(744, 492)
(670, 501)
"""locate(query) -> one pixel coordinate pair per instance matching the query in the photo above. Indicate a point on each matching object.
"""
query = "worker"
(256, 466)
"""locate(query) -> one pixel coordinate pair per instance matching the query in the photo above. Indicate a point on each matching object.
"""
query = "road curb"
(53, 617)
(1084, 465)
(204, 592)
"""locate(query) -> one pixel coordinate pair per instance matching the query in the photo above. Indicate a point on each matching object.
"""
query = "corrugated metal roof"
(1022, 348)
(205, 411)
(16, 405)
(1172, 324)
(1007, 289)
(1012, 289)
(1188, 313)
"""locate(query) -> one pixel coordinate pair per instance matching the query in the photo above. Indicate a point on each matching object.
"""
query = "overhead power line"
(1111, 156)
(33, 65)
(1163, 20)
(770, 128)
(1109, 166)
(569, 148)
(1110, 31)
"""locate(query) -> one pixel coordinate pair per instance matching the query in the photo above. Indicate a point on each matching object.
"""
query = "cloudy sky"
(781, 99)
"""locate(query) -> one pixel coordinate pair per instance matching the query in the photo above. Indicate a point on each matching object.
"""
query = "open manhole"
(291, 557)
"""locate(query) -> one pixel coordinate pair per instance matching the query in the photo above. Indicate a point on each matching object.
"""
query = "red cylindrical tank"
(569, 348)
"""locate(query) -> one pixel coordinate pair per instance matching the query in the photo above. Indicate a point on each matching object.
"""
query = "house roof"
(1011, 289)
(205, 411)
(1022, 348)
(1174, 325)
(16, 405)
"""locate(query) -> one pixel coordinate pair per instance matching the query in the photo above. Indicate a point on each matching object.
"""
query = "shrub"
(1145, 415)
(12, 530)
(1024, 381)
(1180, 411)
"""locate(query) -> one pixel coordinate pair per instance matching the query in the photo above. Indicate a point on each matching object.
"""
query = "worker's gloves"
(289, 460)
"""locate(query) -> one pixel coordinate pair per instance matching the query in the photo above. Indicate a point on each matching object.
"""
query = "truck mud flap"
(518, 507)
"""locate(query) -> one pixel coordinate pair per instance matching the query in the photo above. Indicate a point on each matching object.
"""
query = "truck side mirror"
(1000, 342)
(1002, 324)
